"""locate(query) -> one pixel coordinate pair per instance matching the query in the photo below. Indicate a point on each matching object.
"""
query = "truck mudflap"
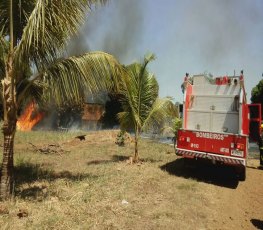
(211, 156)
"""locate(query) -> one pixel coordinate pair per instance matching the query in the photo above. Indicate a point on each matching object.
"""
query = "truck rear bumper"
(211, 156)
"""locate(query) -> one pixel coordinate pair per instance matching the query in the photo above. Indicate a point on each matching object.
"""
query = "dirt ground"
(233, 204)
(237, 204)
(89, 184)
(245, 206)
(241, 207)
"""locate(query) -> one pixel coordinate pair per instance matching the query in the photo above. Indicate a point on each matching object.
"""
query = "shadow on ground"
(33, 175)
(205, 171)
(119, 158)
(115, 158)
(28, 173)
(257, 223)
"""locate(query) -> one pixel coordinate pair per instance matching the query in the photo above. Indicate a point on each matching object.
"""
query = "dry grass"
(91, 186)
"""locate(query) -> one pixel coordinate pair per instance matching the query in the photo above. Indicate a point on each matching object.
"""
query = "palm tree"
(33, 36)
(141, 106)
(173, 128)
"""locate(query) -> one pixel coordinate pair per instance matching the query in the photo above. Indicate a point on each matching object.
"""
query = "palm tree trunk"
(136, 153)
(9, 129)
(7, 170)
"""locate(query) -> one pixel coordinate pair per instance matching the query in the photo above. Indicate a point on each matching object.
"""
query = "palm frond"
(4, 19)
(129, 101)
(142, 109)
(147, 58)
(162, 109)
(3, 55)
(126, 120)
(48, 28)
(34, 92)
(68, 80)
(21, 11)
(140, 91)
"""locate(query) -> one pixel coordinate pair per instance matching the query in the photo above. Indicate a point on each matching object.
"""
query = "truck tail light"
(182, 139)
(240, 146)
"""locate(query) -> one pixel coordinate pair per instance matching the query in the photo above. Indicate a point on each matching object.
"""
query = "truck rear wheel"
(241, 172)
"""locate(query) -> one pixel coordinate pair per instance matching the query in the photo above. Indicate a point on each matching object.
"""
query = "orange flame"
(29, 118)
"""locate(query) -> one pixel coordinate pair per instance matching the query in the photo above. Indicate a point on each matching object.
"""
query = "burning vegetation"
(29, 118)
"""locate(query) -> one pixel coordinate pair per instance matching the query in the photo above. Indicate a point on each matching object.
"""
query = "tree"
(33, 36)
(173, 128)
(257, 94)
(140, 103)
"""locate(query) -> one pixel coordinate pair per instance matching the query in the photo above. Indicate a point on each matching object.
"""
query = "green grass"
(83, 187)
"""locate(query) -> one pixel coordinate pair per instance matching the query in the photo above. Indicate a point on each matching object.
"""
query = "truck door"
(254, 121)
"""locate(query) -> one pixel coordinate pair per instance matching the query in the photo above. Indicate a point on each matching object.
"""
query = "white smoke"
(218, 36)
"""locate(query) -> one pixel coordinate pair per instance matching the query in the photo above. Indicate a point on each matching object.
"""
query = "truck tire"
(242, 174)
(261, 157)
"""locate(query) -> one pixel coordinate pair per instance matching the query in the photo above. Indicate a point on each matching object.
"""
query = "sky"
(194, 36)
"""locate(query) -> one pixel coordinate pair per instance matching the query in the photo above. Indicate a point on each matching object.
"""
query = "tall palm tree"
(33, 36)
(141, 106)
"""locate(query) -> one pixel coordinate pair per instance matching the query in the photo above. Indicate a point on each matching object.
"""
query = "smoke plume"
(116, 30)
(186, 35)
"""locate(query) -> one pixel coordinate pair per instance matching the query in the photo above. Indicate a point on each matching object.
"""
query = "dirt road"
(241, 207)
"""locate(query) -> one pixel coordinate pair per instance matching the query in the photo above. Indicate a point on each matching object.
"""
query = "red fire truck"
(216, 120)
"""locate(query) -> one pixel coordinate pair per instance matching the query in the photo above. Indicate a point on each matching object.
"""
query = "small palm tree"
(173, 128)
(33, 36)
(140, 102)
